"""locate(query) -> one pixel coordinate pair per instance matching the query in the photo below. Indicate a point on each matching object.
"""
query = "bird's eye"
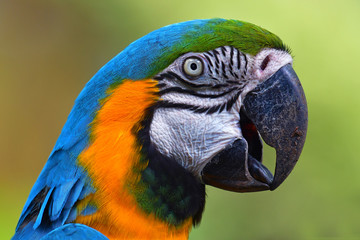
(193, 67)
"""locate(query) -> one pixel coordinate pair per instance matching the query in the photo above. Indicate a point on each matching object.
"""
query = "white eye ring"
(193, 67)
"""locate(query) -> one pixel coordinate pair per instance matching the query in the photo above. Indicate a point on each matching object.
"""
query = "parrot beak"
(277, 111)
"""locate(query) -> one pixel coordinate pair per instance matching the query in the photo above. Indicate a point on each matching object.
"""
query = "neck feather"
(139, 193)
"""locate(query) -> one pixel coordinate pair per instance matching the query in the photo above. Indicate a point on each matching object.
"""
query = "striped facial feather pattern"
(201, 97)
(224, 75)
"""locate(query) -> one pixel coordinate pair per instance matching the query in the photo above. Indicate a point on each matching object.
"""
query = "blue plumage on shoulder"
(74, 232)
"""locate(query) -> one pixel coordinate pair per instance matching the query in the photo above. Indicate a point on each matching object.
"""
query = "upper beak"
(277, 110)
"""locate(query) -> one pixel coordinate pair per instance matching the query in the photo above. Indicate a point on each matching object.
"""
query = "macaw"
(182, 107)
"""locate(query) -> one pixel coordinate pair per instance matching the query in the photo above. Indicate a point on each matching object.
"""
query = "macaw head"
(223, 86)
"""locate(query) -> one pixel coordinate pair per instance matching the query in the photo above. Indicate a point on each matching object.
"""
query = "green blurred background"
(50, 49)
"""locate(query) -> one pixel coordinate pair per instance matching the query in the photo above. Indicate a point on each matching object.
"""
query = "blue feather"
(60, 194)
(74, 232)
(41, 212)
(73, 197)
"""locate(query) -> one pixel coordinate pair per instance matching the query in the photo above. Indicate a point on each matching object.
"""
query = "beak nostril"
(265, 63)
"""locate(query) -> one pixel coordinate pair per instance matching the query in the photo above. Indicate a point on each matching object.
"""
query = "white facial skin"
(186, 130)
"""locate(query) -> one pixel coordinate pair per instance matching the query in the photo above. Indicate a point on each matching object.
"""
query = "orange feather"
(109, 160)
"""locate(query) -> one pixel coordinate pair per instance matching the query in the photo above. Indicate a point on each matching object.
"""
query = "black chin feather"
(179, 194)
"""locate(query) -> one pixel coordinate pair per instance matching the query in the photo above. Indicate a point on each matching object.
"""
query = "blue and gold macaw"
(181, 107)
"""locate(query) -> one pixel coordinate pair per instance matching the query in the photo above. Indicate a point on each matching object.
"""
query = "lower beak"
(277, 110)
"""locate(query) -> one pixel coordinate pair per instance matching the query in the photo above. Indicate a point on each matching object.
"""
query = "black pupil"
(193, 66)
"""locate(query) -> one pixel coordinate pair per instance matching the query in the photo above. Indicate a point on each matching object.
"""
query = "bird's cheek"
(192, 139)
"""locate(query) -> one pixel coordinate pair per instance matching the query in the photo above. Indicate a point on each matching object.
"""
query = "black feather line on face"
(216, 53)
(209, 61)
(223, 50)
(246, 64)
(223, 70)
(210, 53)
(194, 93)
(238, 59)
(231, 58)
(199, 109)
(236, 76)
(172, 75)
